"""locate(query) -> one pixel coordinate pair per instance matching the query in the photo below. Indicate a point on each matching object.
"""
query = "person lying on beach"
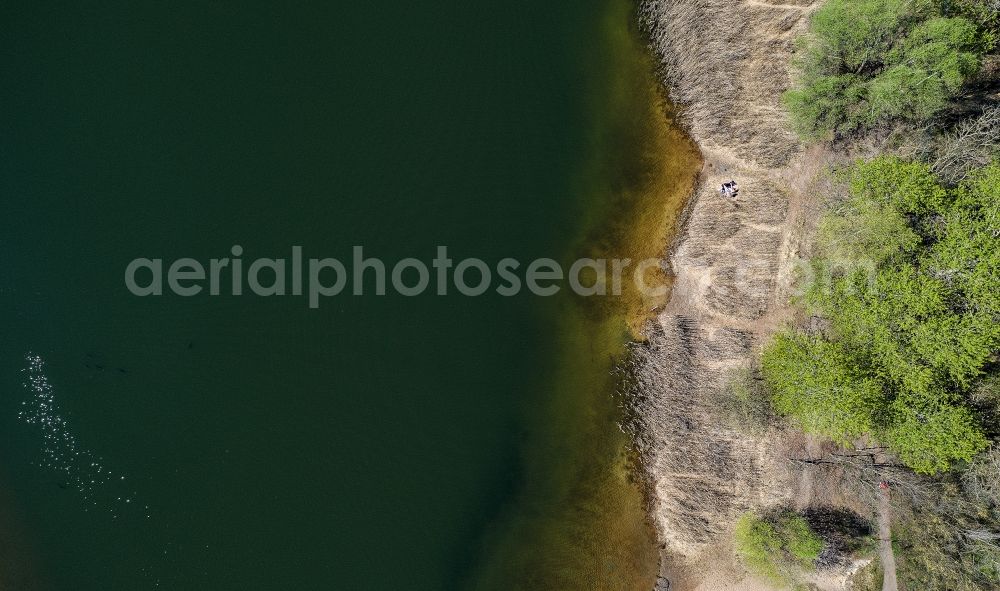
(731, 190)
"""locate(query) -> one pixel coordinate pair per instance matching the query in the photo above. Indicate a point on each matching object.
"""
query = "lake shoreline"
(580, 518)
(732, 267)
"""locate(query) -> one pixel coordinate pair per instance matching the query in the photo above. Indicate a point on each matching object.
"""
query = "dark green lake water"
(374, 443)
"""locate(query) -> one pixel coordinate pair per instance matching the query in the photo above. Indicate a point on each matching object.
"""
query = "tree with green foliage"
(817, 383)
(866, 62)
(908, 277)
(778, 545)
(984, 12)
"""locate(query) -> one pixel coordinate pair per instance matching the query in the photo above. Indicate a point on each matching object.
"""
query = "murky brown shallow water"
(581, 522)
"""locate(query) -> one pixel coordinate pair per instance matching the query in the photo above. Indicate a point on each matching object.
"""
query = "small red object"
(883, 485)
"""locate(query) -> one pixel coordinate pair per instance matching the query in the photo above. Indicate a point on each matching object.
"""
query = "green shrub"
(758, 544)
(925, 70)
(984, 12)
(933, 440)
(866, 62)
(828, 105)
(865, 228)
(906, 187)
(818, 385)
(855, 35)
(800, 541)
(777, 546)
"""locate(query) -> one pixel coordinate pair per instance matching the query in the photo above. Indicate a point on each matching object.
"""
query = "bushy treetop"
(866, 62)
(908, 275)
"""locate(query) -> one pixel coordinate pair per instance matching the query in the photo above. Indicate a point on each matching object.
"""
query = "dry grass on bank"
(706, 471)
(727, 63)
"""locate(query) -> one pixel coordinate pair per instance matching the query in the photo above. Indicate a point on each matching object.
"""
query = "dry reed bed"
(726, 64)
